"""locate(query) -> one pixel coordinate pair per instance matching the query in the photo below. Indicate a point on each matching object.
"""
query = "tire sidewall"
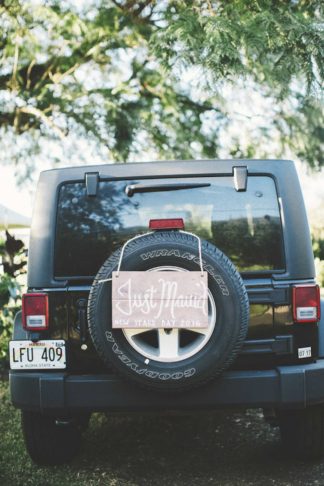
(226, 288)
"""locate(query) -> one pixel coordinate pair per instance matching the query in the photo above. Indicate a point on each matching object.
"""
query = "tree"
(87, 73)
(275, 46)
(117, 77)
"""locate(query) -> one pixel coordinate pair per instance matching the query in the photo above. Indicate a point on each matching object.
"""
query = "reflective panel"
(246, 226)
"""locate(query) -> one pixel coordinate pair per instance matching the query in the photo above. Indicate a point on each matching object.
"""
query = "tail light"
(166, 224)
(35, 312)
(306, 303)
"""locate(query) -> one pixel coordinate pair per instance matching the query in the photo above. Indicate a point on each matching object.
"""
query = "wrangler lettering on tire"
(199, 354)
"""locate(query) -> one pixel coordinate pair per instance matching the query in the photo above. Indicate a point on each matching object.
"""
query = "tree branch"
(31, 110)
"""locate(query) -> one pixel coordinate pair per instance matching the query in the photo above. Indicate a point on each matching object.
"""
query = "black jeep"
(243, 225)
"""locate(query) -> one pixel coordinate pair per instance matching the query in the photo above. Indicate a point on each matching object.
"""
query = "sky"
(16, 198)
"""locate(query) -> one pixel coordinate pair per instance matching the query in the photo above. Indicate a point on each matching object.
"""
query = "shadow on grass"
(235, 448)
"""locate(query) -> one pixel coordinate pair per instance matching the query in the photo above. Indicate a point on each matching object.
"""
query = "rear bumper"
(57, 392)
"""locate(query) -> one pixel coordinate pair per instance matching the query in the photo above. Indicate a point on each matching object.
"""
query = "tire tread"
(170, 237)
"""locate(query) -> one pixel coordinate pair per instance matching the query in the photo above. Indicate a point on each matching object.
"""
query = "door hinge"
(240, 178)
(91, 182)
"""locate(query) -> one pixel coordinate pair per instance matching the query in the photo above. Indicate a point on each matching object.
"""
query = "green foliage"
(319, 268)
(87, 72)
(273, 42)
(13, 255)
(114, 77)
(13, 264)
(318, 243)
(275, 47)
(318, 249)
(7, 316)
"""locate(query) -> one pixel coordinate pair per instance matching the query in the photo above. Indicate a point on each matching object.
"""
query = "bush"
(13, 256)
(319, 267)
(7, 315)
(318, 249)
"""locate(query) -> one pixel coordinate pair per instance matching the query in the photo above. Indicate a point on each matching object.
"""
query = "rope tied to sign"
(150, 233)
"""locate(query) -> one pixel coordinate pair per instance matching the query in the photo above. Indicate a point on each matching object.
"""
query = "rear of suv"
(241, 222)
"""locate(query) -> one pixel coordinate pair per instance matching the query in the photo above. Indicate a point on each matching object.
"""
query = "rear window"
(245, 225)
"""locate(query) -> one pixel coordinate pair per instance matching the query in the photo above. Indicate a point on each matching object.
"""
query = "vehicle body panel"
(267, 371)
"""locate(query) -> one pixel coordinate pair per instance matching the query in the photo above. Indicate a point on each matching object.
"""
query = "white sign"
(159, 300)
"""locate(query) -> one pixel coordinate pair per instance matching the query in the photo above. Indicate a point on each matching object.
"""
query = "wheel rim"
(171, 345)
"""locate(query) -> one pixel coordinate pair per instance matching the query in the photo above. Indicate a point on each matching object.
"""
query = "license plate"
(39, 355)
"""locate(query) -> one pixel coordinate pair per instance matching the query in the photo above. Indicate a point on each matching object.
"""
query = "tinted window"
(245, 225)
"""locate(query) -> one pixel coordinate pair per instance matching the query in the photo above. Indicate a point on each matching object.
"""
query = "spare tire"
(177, 359)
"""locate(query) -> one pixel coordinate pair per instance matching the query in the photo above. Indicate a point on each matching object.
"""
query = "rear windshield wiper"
(133, 188)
